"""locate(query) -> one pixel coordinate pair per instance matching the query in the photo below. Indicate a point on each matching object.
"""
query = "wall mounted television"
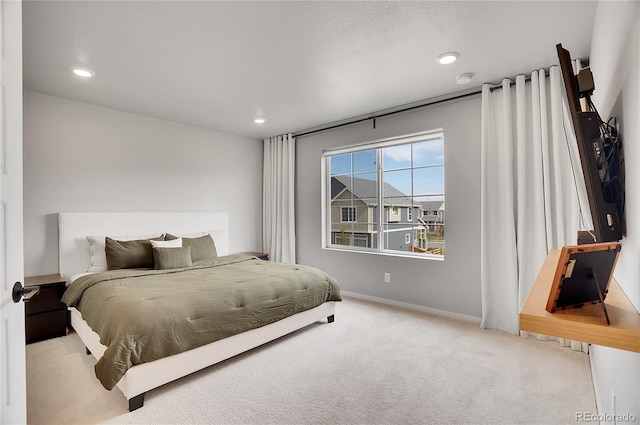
(600, 154)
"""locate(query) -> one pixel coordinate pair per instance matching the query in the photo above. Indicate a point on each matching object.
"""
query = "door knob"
(19, 292)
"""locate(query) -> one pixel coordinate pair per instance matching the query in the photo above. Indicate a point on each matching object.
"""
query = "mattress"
(142, 315)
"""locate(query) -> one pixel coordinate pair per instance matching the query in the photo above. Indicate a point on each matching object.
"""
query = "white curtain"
(278, 222)
(531, 200)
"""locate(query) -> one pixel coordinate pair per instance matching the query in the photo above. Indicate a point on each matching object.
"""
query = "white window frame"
(327, 243)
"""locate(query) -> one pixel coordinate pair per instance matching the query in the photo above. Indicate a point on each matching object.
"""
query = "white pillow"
(98, 259)
(174, 243)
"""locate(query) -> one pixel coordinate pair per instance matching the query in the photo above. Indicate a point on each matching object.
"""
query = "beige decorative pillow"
(172, 258)
(202, 248)
(135, 254)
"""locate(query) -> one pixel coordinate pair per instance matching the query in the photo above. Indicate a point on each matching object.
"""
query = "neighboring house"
(354, 215)
(433, 215)
(433, 211)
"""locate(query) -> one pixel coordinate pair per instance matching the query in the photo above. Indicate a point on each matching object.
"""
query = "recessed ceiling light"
(83, 72)
(464, 78)
(448, 57)
(259, 121)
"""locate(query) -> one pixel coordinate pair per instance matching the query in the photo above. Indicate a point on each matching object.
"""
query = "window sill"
(388, 253)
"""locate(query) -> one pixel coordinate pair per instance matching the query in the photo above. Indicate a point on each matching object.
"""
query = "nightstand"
(260, 255)
(45, 314)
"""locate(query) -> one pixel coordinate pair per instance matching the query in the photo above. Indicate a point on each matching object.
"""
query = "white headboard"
(73, 228)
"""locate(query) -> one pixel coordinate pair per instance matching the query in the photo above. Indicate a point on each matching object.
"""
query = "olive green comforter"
(143, 315)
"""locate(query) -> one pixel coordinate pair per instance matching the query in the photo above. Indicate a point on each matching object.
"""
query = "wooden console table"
(587, 324)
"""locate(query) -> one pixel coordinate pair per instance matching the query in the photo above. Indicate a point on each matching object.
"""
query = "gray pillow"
(202, 248)
(172, 258)
(135, 254)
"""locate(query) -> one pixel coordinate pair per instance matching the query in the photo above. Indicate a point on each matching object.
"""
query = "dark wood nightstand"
(260, 255)
(45, 314)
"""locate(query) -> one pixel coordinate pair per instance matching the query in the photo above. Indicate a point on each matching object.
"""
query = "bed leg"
(136, 402)
(87, 351)
(331, 318)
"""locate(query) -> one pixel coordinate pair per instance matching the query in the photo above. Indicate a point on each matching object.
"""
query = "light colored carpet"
(375, 364)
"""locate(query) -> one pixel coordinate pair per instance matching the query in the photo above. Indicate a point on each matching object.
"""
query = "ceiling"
(300, 65)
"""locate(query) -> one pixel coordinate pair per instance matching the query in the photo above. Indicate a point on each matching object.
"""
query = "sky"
(427, 159)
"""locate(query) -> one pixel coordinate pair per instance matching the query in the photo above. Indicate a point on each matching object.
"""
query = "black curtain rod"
(526, 80)
(411, 108)
(375, 116)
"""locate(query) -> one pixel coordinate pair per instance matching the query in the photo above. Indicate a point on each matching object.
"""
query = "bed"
(146, 370)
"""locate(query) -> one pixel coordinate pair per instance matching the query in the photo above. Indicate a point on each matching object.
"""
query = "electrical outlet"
(387, 278)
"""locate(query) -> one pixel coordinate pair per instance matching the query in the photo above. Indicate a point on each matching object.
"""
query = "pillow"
(77, 276)
(202, 248)
(133, 254)
(172, 258)
(98, 258)
(174, 243)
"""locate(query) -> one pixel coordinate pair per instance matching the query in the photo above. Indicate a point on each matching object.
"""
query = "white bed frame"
(74, 258)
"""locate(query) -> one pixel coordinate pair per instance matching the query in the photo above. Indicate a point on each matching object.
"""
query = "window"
(405, 177)
(348, 214)
(350, 240)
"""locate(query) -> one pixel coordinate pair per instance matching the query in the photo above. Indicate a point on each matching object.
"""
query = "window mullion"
(381, 211)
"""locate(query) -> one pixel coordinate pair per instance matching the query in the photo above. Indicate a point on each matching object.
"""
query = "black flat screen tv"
(600, 154)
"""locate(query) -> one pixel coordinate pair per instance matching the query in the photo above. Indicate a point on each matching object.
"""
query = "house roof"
(432, 205)
(366, 191)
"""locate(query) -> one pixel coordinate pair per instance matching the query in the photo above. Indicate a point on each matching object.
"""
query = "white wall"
(452, 285)
(615, 62)
(80, 157)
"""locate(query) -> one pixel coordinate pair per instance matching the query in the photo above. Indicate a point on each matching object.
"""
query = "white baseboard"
(408, 306)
